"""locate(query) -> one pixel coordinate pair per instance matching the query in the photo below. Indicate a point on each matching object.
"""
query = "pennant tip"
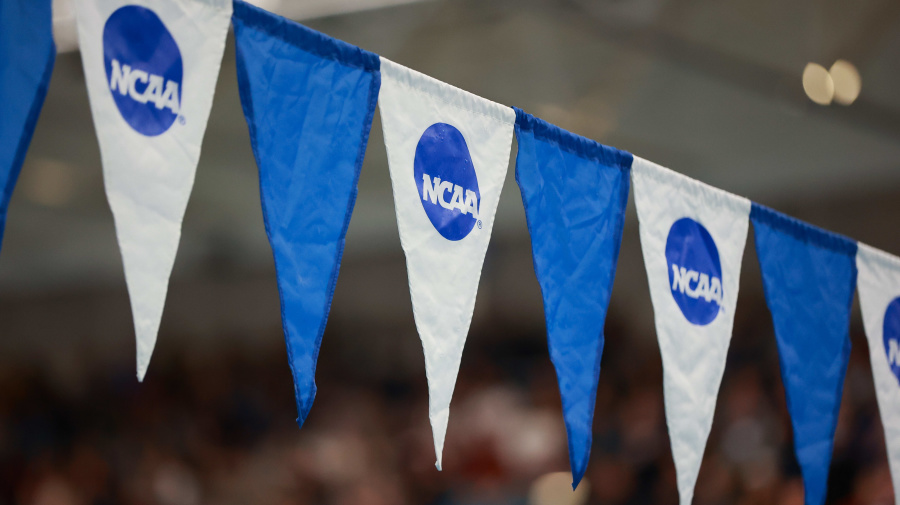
(302, 413)
(576, 479)
(142, 366)
(578, 463)
(144, 353)
(439, 431)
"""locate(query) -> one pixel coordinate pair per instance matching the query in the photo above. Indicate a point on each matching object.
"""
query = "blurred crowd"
(219, 429)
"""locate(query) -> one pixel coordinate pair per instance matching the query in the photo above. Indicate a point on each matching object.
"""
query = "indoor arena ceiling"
(710, 89)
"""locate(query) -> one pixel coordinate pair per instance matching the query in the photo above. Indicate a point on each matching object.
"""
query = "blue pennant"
(575, 191)
(308, 100)
(809, 276)
(27, 54)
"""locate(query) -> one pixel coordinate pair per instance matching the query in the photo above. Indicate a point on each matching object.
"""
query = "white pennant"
(693, 238)
(448, 152)
(878, 282)
(151, 68)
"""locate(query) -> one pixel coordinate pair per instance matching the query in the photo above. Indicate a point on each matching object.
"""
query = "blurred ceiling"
(709, 88)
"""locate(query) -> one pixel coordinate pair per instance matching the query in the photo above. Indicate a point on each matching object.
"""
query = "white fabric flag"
(448, 152)
(878, 282)
(151, 68)
(693, 238)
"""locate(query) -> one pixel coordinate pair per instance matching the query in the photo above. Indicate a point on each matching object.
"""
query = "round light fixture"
(818, 84)
(847, 82)
(556, 489)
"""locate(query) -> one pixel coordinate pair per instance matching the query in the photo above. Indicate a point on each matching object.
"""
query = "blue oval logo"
(448, 186)
(144, 70)
(891, 334)
(695, 273)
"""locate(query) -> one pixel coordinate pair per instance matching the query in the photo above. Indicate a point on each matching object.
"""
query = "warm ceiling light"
(847, 82)
(818, 84)
(49, 182)
(556, 489)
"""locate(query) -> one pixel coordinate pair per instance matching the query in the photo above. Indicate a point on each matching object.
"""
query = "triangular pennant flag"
(693, 239)
(448, 152)
(151, 69)
(809, 276)
(879, 299)
(575, 192)
(309, 101)
(27, 54)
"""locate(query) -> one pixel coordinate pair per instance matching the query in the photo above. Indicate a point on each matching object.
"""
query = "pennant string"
(803, 231)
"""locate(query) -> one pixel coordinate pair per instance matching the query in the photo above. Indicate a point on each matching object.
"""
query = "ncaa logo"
(891, 334)
(144, 70)
(695, 273)
(447, 183)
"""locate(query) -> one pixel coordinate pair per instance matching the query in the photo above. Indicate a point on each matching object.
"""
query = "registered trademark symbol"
(181, 120)
(479, 224)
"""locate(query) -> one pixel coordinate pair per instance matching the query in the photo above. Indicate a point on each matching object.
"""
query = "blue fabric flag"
(809, 276)
(575, 191)
(308, 100)
(27, 53)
